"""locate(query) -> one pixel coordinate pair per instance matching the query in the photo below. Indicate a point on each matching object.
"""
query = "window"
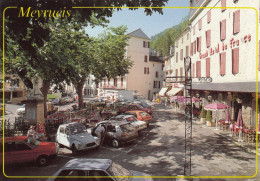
(223, 30)
(208, 32)
(193, 70)
(199, 44)
(235, 61)
(208, 16)
(223, 5)
(147, 70)
(191, 49)
(115, 82)
(181, 56)
(144, 70)
(187, 51)
(207, 67)
(176, 57)
(99, 173)
(148, 44)
(122, 81)
(236, 22)
(223, 63)
(145, 58)
(198, 71)
(143, 43)
(155, 84)
(200, 24)
(156, 74)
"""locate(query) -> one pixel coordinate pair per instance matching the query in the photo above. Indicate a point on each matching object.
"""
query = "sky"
(150, 25)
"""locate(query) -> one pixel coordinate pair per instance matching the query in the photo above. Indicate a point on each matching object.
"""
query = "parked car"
(117, 133)
(58, 101)
(96, 167)
(20, 149)
(135, 107)
(75, 137)
(68, 99)
(140, 125)
(141, 115)
(21, 110)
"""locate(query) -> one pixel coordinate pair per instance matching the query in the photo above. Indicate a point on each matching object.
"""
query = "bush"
(209, 115)
(203, 113)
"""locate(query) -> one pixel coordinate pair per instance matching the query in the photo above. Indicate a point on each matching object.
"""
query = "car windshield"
(118, 170)
(77, 129)
(131, 119)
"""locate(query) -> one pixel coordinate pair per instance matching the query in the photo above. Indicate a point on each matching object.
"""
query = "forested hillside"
(162, 42)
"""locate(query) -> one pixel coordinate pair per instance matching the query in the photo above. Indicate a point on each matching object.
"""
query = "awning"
(174, 91)
(162, 91)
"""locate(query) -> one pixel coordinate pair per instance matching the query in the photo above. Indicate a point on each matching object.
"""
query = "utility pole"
(188, 109)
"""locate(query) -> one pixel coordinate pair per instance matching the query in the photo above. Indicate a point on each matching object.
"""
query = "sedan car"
(117, 132)
(135, 107)
(20, 149)
(81, 168)
(141, 115)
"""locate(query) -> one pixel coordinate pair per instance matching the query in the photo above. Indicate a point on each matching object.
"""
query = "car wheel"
(115, 143)
(42, 161)
(75, 151)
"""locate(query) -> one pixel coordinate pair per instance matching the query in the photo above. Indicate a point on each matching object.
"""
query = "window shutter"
(223, 63)
(191, 49)
(200, 24)
(223, 5)
(122, 81)
(176, 57)
(208, 38)
(181, 72)
(153, 84)
(195, 46)
(236, 22)
(235, 61)
(145, 58)
(187, 51)
(176, 74)
(199, 44)
(181, 56)
(193, 70)
(209, 16)
(198, 71)
(223, 30)
(143, 43)
(207, 67)
(144, 70)
(148, 44)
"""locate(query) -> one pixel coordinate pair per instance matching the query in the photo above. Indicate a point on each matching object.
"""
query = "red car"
(141, 115)
(135, 107)
(19, 150)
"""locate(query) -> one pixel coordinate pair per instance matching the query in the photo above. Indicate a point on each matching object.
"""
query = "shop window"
(223, 30)
(236, 22)
(209, 16)
(207, 67)
(235, 61)
(198, 71)
(208, 37)
(223, 63)
(223, 5)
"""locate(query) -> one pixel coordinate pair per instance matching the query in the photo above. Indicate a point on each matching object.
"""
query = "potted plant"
(203, 116)
(209, 118)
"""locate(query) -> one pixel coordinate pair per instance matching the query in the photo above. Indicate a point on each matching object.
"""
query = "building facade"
(90, 87)
(145, 76)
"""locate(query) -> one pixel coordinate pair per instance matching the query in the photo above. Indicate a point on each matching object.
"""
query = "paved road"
(160, 152)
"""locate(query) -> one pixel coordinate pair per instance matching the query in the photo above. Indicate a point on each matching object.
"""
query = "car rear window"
(143, 114)
(127, 127)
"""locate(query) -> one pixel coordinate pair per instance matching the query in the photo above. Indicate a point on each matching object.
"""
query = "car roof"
(88, 164)
(16, 138)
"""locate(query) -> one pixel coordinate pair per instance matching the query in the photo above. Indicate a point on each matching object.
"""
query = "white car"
(21, 110)
(75, 137)
(139, 125)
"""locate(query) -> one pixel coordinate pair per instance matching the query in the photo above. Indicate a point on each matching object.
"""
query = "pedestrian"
(165, 101)
(100, 131)
(40, 130)
(31, 134)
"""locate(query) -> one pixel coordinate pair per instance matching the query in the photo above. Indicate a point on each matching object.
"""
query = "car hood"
(83, 138)
(136, 173)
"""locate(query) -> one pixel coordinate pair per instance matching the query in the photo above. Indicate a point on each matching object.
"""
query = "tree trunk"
(79, 89)
(44, 89)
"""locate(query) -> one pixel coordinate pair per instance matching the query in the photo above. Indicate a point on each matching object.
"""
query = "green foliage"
(209, 115)
(163, 41)
(203, 113)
